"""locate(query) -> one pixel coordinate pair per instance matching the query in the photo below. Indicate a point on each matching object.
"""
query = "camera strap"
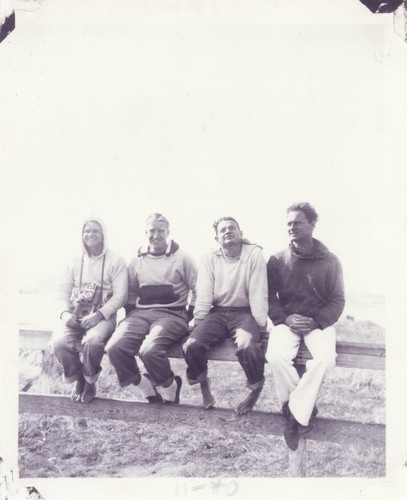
(103, 272)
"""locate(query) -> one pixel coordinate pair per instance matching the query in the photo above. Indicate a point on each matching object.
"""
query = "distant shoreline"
(35, 307)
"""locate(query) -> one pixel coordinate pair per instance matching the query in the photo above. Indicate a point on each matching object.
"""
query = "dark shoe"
(285, 409)
(304, 429)
(155, 399)
(291, 434)
(178, 381)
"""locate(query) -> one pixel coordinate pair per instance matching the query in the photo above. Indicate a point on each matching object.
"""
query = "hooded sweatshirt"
(310, 285)
(115, 281)
(157, 281)
(233, 282)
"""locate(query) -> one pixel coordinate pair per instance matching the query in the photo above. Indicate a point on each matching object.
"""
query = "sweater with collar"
(310, 285)
(157, 281)
(233, 282)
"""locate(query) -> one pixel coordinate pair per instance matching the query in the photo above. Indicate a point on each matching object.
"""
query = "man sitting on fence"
(231, 302)
(306, 297)
(90, 292)
(161, 278)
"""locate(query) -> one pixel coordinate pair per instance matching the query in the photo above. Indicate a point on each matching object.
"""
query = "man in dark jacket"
(306, 297)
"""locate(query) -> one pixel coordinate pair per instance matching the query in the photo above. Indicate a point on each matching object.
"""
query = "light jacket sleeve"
(258, 295)
(204, 288)
(63, 289)
(119, 282)
(335, 304)
(190, 274)
(277, 313)
(133, 284)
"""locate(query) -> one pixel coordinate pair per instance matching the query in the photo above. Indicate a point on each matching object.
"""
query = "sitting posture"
(160, 280)
(91, 290)
(306, 297)
(231, 302)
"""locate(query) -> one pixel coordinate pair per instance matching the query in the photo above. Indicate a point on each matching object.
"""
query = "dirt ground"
(79, 447)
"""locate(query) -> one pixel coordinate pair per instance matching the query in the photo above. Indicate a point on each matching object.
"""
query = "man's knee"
(114, 348)
(277, 357)
(192, 347)
(326, 360)
(61, 343)
(93, 343)
(149, 350)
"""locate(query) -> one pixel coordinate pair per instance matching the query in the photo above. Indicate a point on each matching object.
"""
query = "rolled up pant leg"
(94, 342)
(246, 334)
(124, 345)
(211, 330)
(167, 327)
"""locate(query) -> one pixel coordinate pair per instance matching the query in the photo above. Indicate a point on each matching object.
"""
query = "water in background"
(36, 308)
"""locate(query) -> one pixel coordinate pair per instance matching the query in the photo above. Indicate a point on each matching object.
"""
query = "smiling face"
(228, 233)
(157, 233)
(299, 228)
(92, 237)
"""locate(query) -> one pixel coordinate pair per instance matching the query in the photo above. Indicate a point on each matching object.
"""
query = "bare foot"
(78, 389)
(247, 404)
(207, 396)
(89, 392)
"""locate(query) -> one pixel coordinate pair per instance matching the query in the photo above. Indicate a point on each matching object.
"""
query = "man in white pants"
(306, 297)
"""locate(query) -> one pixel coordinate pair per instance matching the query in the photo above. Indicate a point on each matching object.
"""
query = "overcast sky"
(116, 117)
(197, 109)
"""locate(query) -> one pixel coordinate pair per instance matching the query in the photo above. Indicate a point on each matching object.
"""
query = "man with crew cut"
(231, 302)
(161, 279)
(306, 298)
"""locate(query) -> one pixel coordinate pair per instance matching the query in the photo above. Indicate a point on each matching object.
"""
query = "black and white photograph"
(202, 264)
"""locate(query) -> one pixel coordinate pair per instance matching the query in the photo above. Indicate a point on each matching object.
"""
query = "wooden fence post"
(297, 460)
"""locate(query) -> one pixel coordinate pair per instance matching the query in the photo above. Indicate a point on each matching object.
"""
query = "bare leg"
(78, 389)
(247, 404)
(89, 392)
(207, 396)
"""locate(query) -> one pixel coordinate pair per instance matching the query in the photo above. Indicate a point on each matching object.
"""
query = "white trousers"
(301, 393)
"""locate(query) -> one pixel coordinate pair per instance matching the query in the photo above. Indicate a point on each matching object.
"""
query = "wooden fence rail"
(350, 354)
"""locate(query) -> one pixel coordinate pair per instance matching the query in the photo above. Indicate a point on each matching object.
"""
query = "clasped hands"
(299, 324)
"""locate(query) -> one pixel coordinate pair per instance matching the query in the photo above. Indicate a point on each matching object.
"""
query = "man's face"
(228, 233)
(299, 229)
(92, 235)
(157, 234)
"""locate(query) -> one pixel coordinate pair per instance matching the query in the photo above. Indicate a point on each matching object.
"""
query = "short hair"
(92, 221)
(226, 217)
(156, 217)
(307, 209)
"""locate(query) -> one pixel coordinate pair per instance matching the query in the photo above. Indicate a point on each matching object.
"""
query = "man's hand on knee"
(91, 320)
(70, 320)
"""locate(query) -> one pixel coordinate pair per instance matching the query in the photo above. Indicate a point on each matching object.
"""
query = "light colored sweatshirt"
(115, 282)
(162, 281)
(233, 282)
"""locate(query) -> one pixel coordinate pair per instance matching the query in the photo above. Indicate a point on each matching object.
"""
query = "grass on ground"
(79, 447)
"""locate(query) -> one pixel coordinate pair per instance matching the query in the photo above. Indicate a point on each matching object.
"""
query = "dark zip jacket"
(309, 285)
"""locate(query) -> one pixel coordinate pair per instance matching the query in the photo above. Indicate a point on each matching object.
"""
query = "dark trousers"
(148, 333)
(69, 343)
(219, 325)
